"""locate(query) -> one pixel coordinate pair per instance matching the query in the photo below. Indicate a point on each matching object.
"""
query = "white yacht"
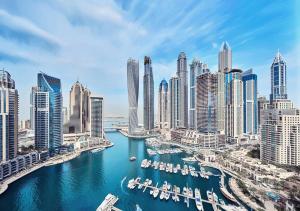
(198, 201)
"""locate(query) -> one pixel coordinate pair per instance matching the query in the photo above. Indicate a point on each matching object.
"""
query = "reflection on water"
(82, 183)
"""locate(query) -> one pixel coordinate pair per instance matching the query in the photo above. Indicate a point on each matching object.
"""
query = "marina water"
(83, 183)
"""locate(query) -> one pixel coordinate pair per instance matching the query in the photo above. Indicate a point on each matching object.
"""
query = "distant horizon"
(90, 41)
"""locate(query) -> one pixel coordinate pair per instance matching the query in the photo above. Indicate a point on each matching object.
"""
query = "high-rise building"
(133, 93)
(183, 90)
(207, 103)
(234, 104)
(174, 103)
(65, 114)
(262, 104)
(96, 120)
(196, 68)
(280, 140)
(163, 104)
(225, 66)
(9, 105)
(79, 109)
(278, 78)
(148, 95)
(32, 107)
(48, 113)
(250, 102)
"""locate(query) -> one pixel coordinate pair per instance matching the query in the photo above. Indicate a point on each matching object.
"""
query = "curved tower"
(133, 93)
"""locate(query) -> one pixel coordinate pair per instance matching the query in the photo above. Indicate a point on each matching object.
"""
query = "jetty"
(108, 203)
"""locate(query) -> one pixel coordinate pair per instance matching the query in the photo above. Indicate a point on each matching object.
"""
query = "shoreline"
(51, 162)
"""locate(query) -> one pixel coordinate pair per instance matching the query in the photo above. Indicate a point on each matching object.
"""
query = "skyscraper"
(9, 105)
(234, 104)
(148, 95)
(65, 114)
(225, 66)
(133, 93)
(96, 120)
(262, 104)
(174, 103)
(196, 69)
(183, 90)
(278, 78)
(207, 103)
(163, 104)
(32, 107)
(79, 109)
(250, 102)
(48, 116)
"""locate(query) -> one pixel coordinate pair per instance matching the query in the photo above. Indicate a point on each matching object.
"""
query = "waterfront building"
(32, 107)
(234, 104)
(250, 102)
(96, 108)
(196, 68)
(262, 104)
(206, 98)
(9, 107)
(48, 113)
(133, 93)
(174, 102)
(183, 90)
(224, 66)
(163, 105)
(79, 109)
(278, 78)
(280, 140)
(148, 95)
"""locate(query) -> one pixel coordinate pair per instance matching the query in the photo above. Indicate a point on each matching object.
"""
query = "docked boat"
(108, 202)
(130, 184)
(209, 196)
(132, 158)
(155, 192)
(97, 150)
(215, 197)
(198, 201)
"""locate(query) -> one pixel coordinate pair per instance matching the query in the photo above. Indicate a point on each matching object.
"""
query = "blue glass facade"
(52, 86)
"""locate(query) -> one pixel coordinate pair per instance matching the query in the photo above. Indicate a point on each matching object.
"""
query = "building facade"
(207, 103)
(174, 103)
(133, 94)
(32, 107)
(96, 122)
(163, 105)
(250, 102)
(9, 107)
(79, 109)
(278, 78)
(148, 95)
(234, 104)
(280, 141)
(48, 114)
(183, 90)
(262, 104)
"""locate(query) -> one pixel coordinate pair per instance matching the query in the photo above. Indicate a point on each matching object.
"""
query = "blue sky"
(91, 41)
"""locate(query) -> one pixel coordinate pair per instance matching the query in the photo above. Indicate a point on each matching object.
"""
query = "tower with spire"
(278, 78)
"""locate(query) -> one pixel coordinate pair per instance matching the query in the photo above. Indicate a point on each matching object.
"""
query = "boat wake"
(138, 208)
(122, 182)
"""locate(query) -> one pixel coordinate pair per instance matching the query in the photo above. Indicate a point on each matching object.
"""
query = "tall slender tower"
(174, 103)
(48, 113)
(250, 102)
(32, 107)
(278, 78)
(79, 109)
(148, 95)
(225, 66)
(133, 93)
(163, 104)
(96, 119)
(9, 105)
(183, 90)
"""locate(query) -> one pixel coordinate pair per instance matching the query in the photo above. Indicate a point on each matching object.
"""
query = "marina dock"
(108, 203)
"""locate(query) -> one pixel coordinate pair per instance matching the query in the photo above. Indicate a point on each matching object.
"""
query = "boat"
(167, 195)
(132, 158)
(108, 202)
(97, 150)
(155, 192)
(222, 202)
(162, 195)
(130, 184)
(189, 159)
(209, 196)
(215, 197)
(198, 201)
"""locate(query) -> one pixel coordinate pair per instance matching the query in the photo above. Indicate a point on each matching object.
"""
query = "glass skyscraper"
(278, 78)
(163, 104)
(9, 105)
(48, 118)
(250, 102)
(148, 95)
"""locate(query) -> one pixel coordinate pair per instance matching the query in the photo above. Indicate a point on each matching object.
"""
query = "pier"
(108, 203)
